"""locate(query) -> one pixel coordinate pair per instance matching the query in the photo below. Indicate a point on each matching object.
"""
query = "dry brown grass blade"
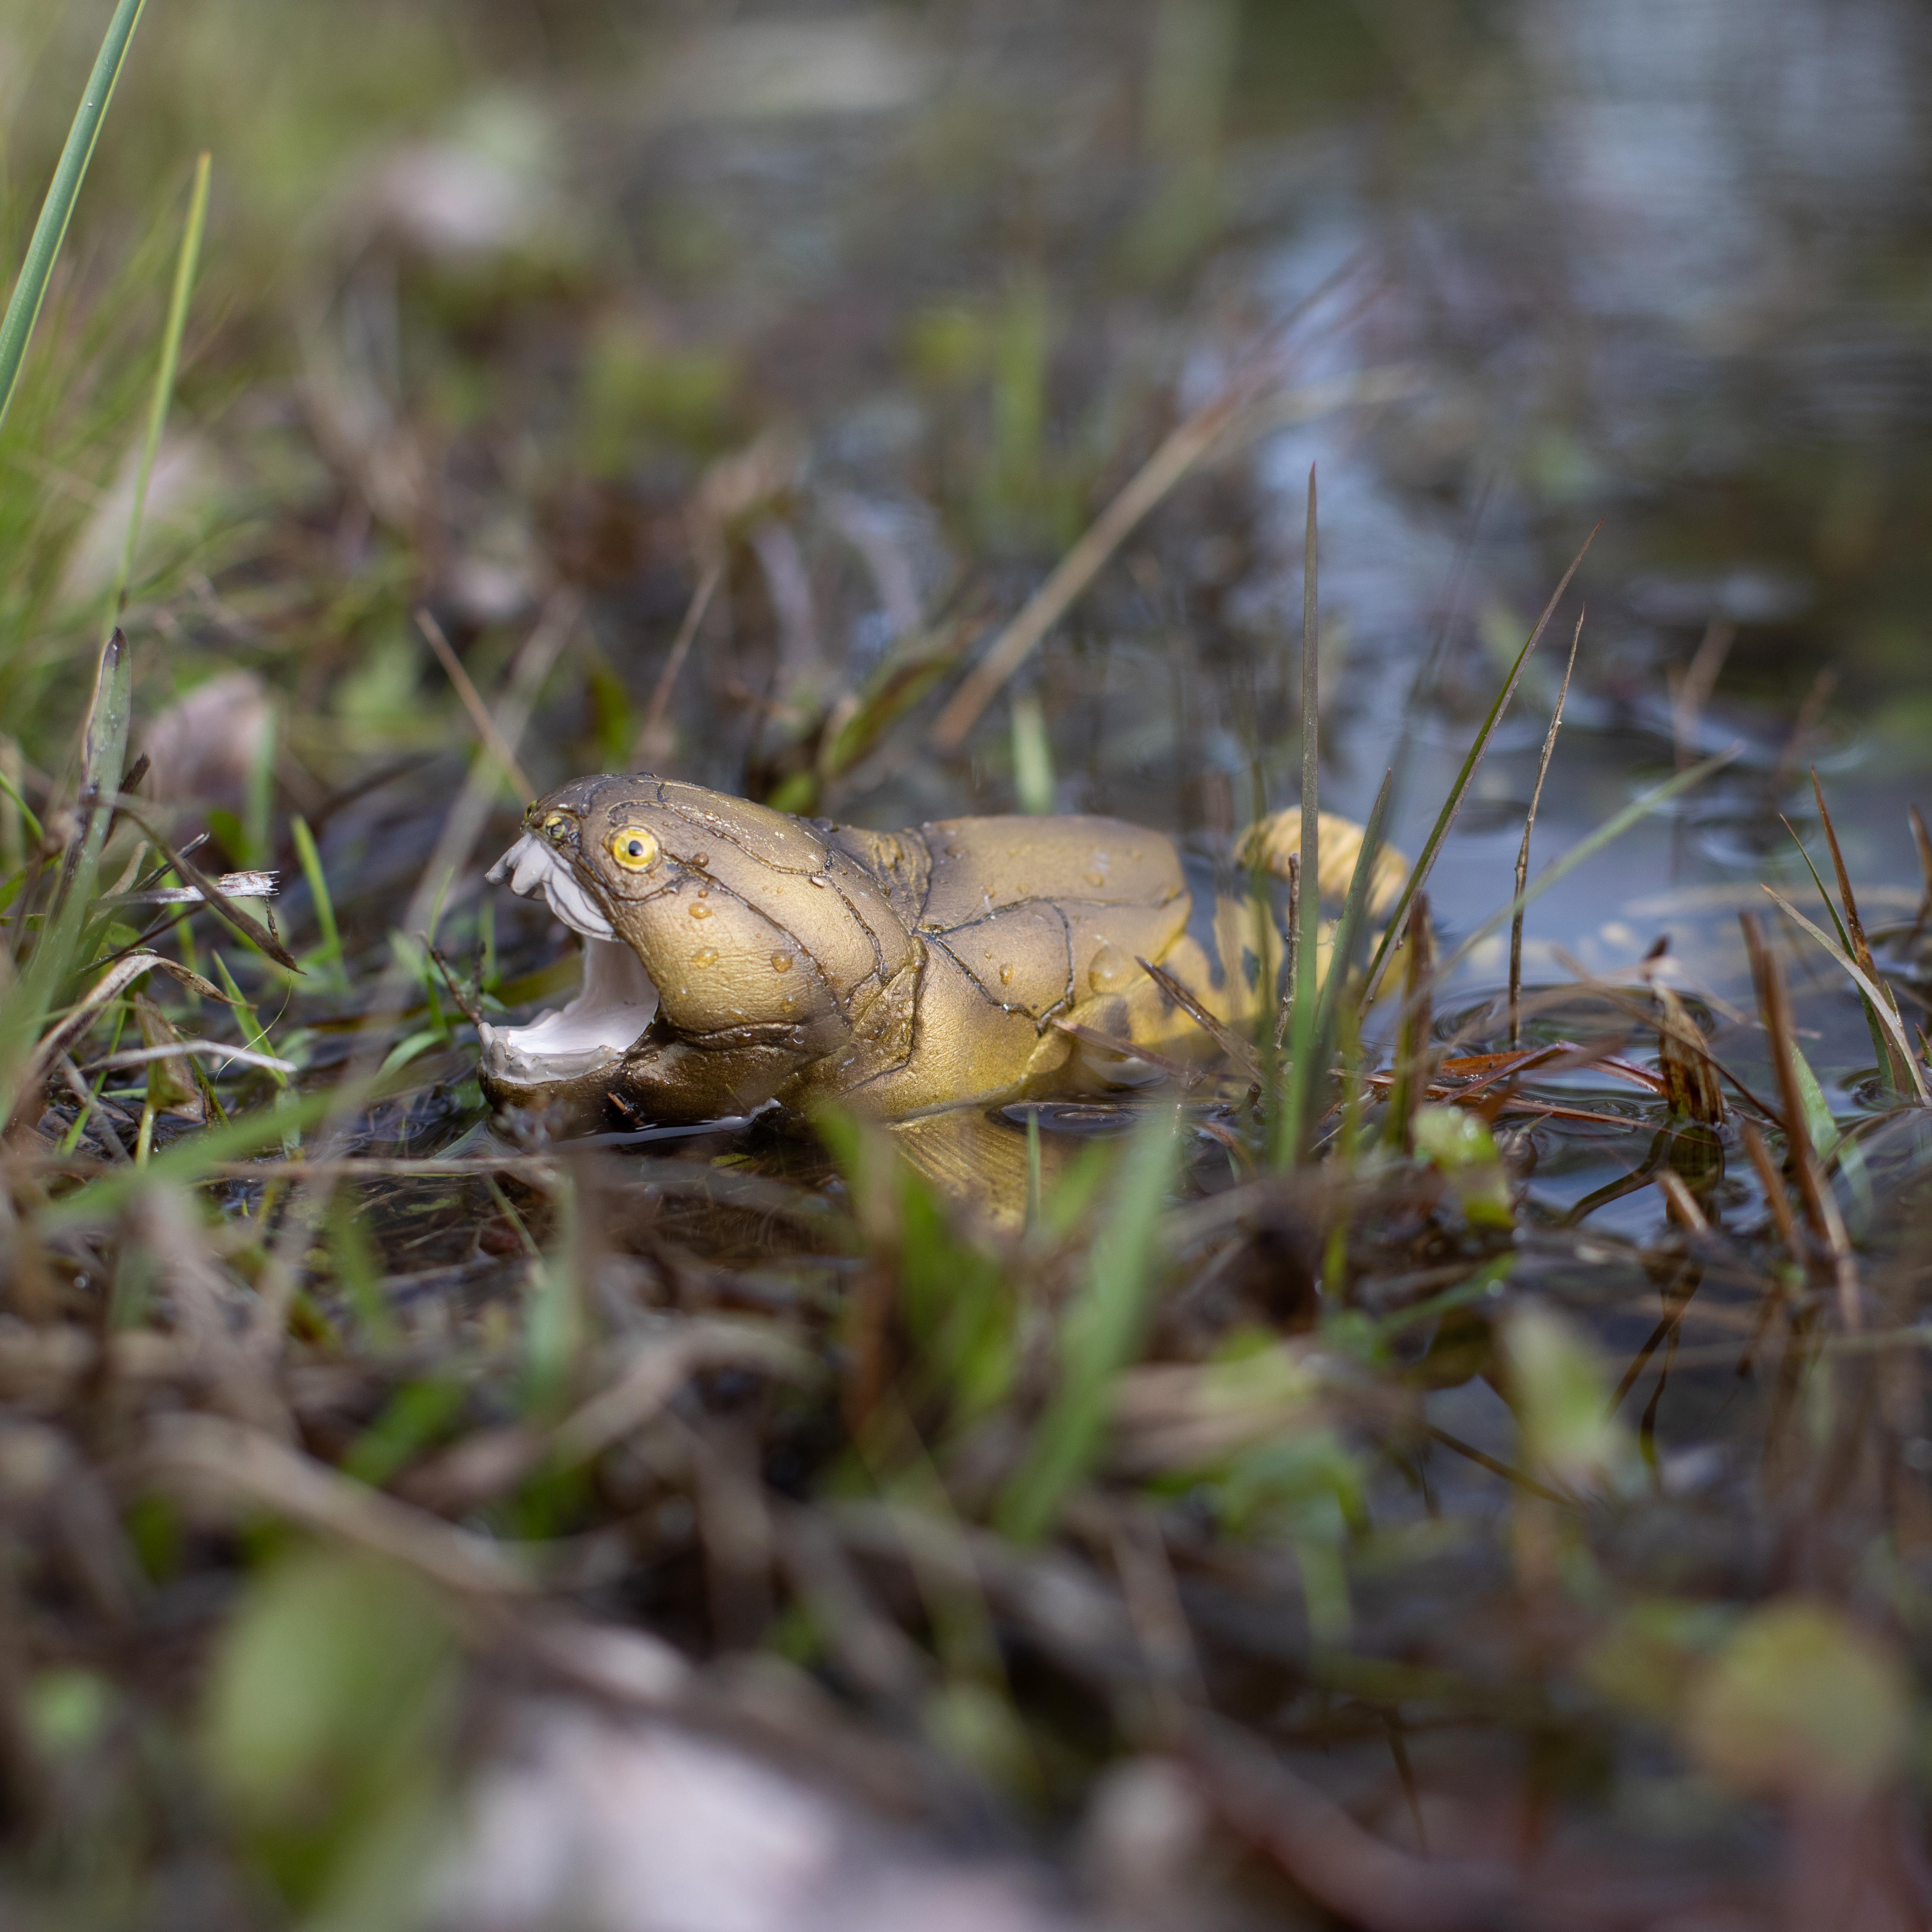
(493, 1461)
(1185, 1076)
(1772, 1182)
(1693, 689)
(1484, 1069)
(1363, 1879)
(1411, 1058)
(1239, 1051)
(1562, 1056)
(1861, 949)
(251, 931)
(163, 1223)
(1185, 445)
(1528, 827)
(114, 982)
(1615, 996)
(1897, 1051)
(1884, 1012)
(1809, 713)
(472, 703)
(241, 1470)
(465, 1005)
(1821, 1209)
(1516, 1478)
(645, 751)
(89, 1105)
(1508, 1103)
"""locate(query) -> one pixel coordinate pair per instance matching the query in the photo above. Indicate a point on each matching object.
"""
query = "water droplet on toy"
(1109, 971)
(706, 958)
(1005, 976)
(781, 962)
(701, 910)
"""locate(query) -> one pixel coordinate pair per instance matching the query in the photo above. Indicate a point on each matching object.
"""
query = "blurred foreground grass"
(1277, 1518)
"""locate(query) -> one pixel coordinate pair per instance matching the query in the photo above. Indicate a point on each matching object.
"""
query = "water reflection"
(1665, 265)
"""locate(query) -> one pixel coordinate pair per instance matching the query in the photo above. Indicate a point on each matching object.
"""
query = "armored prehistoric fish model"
(735, 955)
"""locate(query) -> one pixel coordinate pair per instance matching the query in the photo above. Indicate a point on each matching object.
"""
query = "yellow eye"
(634, 848)
(557, 826)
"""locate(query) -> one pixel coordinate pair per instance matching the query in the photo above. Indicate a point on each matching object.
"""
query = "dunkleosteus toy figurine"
(734, 956)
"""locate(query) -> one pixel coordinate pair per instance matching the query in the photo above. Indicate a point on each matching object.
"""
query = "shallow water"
(1660, 267)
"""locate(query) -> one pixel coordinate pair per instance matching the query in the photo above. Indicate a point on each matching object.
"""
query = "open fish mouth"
(612, 1012)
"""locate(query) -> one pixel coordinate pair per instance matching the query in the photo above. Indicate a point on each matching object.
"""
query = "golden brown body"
(903, 973)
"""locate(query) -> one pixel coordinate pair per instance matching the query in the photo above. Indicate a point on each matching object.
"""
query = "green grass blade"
(57, 952)
(306, 851)
(1885, 1051)
(1837, 924)
(1875, 1004)
(1033, 756)
(1418, 873)
(1819, 1123)
(30, 291)
(1098, 1337)
(1607, 833)
(1287, 1119)
(34, 830)
(1310, 906)
(185, 264)
(1354, 925)
(187, 1161)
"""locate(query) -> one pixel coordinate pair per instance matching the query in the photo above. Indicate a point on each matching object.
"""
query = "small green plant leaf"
(1561, 1398)
(1456, 1141)
(1802, 1703)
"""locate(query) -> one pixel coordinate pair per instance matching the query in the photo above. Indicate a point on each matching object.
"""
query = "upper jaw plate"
(532, 868)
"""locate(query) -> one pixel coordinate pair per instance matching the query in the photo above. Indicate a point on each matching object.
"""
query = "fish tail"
(1270, 842)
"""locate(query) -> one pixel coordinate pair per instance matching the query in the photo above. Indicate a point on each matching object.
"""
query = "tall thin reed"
(23, 309)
